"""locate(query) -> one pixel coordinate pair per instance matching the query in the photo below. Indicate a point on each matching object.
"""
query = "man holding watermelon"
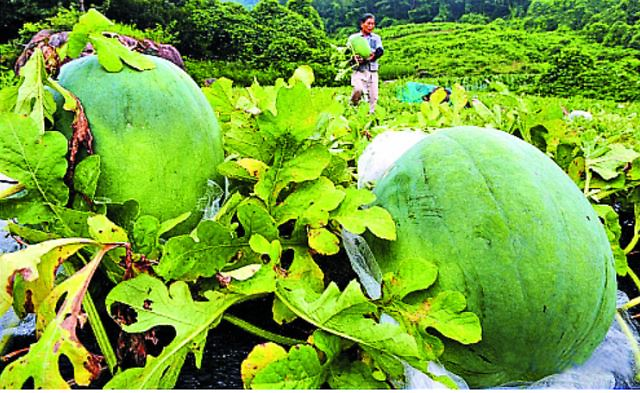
(366, 47)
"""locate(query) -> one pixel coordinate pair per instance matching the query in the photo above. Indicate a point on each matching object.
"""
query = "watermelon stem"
(587, 181)
(630, 304)
(276, 338)
(11, 190)
(634, 277)
(632, 342)
(633, 242)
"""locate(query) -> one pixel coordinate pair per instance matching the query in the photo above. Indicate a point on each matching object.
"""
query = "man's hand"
(372, 56)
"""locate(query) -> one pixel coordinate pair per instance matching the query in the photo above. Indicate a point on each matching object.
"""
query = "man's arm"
(378, 53)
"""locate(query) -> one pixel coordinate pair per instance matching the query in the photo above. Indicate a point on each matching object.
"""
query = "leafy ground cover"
(286, 146)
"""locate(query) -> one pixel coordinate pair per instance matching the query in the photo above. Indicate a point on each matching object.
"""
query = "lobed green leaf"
(357, 220)
(155, 305)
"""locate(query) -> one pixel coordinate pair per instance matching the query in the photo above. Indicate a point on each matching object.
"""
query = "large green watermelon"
(158, 139)
(508, 228)
(360, 46)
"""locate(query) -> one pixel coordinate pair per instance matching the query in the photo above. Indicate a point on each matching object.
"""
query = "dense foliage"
(338, 14)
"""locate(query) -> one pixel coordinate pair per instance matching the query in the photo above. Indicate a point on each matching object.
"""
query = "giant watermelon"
(508, 228)
(360, 46)
(158, 139)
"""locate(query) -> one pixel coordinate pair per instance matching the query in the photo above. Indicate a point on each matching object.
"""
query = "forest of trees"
(609, 21)
(344, 13)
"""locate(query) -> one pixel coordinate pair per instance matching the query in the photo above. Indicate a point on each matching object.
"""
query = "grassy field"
(448, 53)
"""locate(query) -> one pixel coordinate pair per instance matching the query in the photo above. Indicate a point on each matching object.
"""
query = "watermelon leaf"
(310, 204)
(300, 369)
(86, 174)
(260, 357)
(90, 22)
(305, 165)
(156, 305)
(354, 375)
(303, 74)
(186, 258)
(220, 96)
(36, 264)
(444, 312)
(59, 338)
(324, 241)
(617, 156)
(33, 99)
(347, 314)
(357, 220)
(269, 366)
(112, 54)
(37, 161)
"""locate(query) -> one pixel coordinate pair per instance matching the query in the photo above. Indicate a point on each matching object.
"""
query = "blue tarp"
(415, 92)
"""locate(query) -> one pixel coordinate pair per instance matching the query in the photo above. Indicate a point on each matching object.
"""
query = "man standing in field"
(365, 74)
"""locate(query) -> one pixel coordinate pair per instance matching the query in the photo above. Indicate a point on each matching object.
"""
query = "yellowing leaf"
(25, 262)
(415, 274)
(445, 314)
(304, 270)
(259, 357)
(323, 241)
(41, 364)
(105, 231)
(300, 369)
(303, 74)
(255, 167)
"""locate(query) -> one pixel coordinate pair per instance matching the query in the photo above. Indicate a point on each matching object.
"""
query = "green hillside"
(565, 60)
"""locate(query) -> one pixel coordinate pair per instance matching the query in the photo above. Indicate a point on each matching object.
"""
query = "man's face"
(368, 25)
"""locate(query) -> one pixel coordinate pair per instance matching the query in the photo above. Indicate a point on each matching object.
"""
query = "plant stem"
(632, 342)
(261, 332)
(633, 242)
(587, 180)
(16, 188)
(630, 304)
(634, 277)
(96, 325)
